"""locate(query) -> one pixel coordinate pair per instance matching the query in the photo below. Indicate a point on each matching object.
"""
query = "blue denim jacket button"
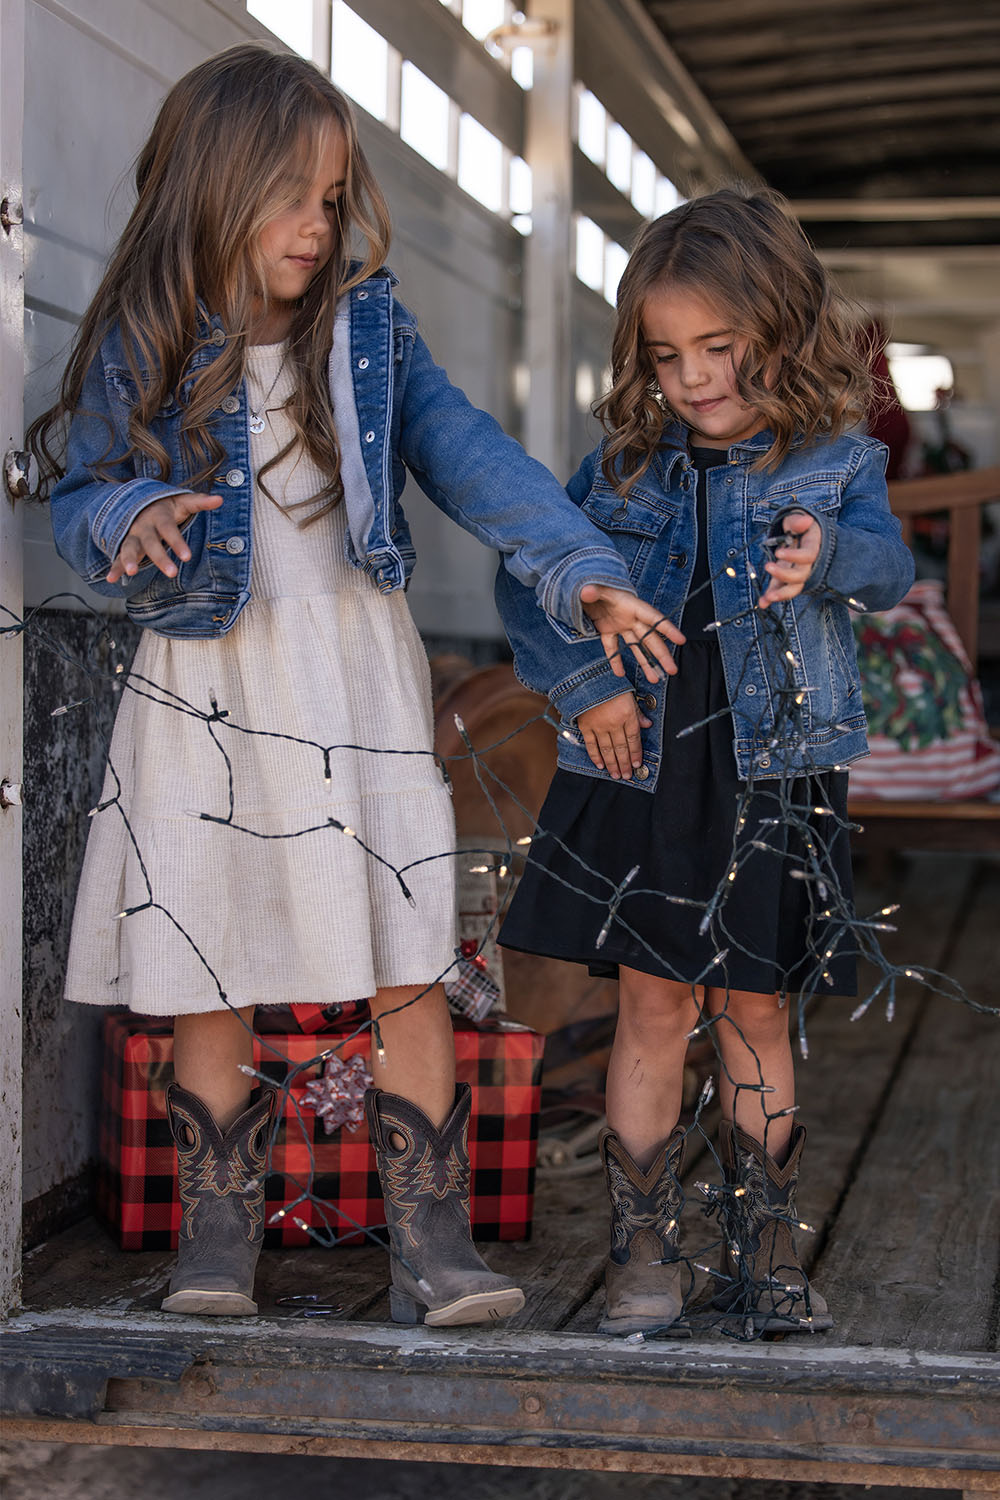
(363, 362)
(641, 773)
(369, 437)
(750, 690)
(362, 296)
(235, 544)
(218, 338)
(230, 405)
(235, 478)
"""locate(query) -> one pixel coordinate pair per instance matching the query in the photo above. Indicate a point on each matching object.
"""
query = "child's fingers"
(616, 751)
(659, 651)
(187, 504)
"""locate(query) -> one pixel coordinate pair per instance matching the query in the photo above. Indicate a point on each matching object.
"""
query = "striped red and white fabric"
(927, 727)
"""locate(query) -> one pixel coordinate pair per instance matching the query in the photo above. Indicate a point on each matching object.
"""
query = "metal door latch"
(10, 794)
(20, 473)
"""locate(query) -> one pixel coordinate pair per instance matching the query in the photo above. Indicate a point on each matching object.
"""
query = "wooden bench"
(974, 825)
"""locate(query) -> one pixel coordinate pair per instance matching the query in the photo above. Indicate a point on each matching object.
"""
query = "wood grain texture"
(914, 1250)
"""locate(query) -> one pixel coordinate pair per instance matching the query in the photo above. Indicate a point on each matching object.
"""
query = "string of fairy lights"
(833, 927)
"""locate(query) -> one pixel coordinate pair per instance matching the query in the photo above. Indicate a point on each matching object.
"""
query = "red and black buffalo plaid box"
(137, 1185)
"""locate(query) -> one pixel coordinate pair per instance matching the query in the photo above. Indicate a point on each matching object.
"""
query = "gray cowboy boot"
(438, 1276)
(763, 1282)
(642, 1295)
(222, 1221)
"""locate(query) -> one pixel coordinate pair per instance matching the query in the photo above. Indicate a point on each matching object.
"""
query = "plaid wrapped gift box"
(137, 1185)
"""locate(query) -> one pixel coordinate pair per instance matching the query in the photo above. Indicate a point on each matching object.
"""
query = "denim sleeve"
(91, 516)
(862, 554)
(569, 669)
(468, 466)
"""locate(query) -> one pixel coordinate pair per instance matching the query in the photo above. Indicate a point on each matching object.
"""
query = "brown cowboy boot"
(221, 1182)
(642, 1294)
(438, 1276)
(763, 1282)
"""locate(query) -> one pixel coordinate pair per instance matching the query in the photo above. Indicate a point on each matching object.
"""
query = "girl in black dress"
(714, 802)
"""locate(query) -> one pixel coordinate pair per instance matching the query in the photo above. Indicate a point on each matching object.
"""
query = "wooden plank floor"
(900, 1181)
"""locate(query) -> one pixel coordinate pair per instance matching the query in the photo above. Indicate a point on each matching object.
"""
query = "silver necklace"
(257, 421)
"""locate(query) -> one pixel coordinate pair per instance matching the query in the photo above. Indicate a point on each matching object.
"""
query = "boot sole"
(478, 1307)
(210, 1304)
(623, 1327)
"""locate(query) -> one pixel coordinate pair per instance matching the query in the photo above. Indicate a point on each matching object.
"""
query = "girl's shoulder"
(842, 456)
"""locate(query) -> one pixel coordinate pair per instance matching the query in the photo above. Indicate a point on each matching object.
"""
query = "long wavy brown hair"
(744, 253)
(231, 140)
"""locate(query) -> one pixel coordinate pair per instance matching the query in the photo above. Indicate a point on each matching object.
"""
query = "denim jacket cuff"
(558, 593)
(115, 516)
(591, 685)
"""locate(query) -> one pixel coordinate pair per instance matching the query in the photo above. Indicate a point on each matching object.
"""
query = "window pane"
(644, 185)
(919, 377)
(615, 261)
(480, 163)
(591, 129)
(359, 61)
(522, 66)
(292, 20)
(481, 16)
(520, 186)
(590, 253)
(667, 196)
(620, 158)
(586, 387)
(424, 116)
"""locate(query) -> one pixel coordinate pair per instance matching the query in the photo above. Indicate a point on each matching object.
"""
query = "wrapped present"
(137, 1185)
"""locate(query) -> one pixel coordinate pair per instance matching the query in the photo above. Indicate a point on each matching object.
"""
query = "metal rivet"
(369, 437)
(750, 690)
(363, 362)
(362, 296)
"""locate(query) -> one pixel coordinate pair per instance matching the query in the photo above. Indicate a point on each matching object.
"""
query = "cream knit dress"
(317, 654)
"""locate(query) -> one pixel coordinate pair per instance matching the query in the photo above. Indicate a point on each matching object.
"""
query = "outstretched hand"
(794, 561)
(156, 532)
(644, 630)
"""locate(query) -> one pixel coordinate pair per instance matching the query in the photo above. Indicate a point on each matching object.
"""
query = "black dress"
(685, 841)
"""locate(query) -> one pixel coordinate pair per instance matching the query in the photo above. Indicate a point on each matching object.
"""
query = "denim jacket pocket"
(632, 523)
(821, 495)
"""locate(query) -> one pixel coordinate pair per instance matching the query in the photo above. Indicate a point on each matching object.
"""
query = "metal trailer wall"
(95, 71)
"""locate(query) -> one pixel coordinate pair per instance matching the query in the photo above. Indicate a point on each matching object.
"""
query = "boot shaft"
(438, 1275)
(643, 1202)
(220, 1177)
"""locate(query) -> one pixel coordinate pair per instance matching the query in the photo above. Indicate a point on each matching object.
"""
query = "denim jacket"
(407, 415)
(841, 483)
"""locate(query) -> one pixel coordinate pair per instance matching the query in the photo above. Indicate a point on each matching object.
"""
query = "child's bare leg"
(752, 1036)
(646, 1071)
(419, 1044)
(208, 1050)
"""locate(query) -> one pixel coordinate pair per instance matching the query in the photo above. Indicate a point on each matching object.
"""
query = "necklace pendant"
(256, 423)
